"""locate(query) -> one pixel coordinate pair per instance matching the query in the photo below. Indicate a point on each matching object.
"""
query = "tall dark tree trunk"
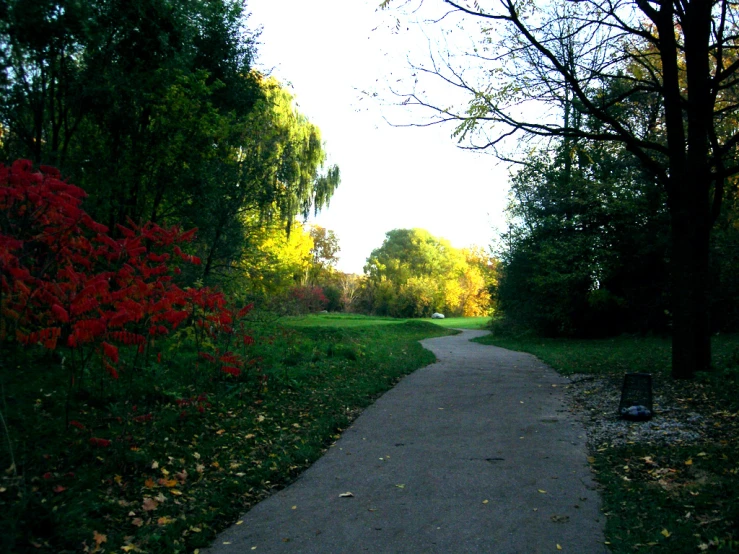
(691, 343)
(689, 184)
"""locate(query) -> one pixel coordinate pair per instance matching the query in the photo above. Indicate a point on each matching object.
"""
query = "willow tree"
(598, 57)
(275, 171)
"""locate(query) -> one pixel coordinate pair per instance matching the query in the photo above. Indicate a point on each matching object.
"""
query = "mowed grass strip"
(189, 450)
(340, 320)
(462, 322)
(676, 498)
(358, 320)
(593, 357)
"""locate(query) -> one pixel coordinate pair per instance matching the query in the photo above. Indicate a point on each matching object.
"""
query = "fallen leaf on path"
(149, 504)
(542, 491)
(346, 495)
(400, 486)
(559, 547)
(666, 533)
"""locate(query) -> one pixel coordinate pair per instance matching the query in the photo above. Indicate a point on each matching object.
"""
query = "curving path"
(475, 453)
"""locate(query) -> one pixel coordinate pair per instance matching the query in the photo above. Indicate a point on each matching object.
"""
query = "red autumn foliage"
(100, 443)
(306, 299)
(231, 370)
(110, 351)
(65, 281)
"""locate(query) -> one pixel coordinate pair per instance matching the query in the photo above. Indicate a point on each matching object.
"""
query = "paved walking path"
(475, 453)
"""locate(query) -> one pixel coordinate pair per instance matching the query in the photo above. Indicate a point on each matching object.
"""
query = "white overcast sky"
(391, 177)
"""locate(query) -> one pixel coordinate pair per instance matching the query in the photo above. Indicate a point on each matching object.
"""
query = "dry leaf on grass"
(99, 538)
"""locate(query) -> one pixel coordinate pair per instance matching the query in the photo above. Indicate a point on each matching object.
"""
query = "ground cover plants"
(668, 485)
(137, 413)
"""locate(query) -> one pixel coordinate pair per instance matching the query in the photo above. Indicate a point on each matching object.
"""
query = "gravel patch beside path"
(681, 415)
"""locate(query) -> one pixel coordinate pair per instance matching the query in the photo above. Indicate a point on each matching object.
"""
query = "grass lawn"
(357, 320)
(169, 454)
(462, 322)
(676, 496)
(339, 320)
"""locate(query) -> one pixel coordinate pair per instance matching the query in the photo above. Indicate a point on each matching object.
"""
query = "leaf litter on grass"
(669, 484)
(169, 482)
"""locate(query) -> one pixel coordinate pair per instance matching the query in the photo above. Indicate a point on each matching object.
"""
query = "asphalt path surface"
(474, 453)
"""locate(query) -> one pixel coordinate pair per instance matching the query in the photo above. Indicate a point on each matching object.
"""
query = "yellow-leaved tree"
(414, 274)
(275, 261)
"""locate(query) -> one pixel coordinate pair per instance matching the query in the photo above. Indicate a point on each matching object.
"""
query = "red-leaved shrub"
(66, 282)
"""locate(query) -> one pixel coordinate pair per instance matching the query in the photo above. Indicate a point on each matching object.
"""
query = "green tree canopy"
(153, 108)
(414, 274)
(599, 58)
